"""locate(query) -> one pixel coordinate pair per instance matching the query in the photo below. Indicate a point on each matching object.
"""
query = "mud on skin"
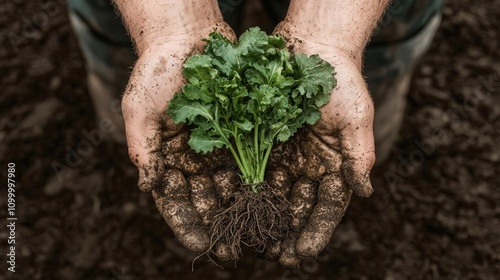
(318, 197)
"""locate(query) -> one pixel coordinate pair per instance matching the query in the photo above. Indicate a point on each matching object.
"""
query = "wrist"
(329, 50)
(345, 24)
(151, 21)
(316, 43)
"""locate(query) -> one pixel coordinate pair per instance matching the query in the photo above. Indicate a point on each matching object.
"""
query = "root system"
(255, 219)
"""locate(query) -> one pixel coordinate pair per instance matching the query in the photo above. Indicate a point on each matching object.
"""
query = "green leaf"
(308, 116)
(223, 53)
(236, 88)
(253, 42)
(321, 99)
(182, 109)
(203, 143)
(246, 125)
(277, 41)
(198, 68)
(198, 93)
(284, 134)
(314, 75)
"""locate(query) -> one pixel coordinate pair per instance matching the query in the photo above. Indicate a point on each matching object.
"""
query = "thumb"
(143, 131)
(143, 105)
(356, 143)
(358, 150)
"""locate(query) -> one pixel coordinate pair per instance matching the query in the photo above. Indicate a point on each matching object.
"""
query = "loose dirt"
(437, 217)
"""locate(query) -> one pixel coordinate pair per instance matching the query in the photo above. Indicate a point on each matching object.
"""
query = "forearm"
(347, 24)
(150, 20)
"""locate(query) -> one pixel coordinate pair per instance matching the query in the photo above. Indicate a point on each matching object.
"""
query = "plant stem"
(247, 169)
(256, 147)
(231, 148)
(264, 163)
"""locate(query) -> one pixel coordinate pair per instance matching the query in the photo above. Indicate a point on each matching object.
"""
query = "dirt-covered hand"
(158, 146)
(192, 184)
(328, 161)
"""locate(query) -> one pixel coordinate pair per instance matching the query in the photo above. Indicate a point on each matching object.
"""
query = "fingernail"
(368, 185)
(141, 176)
(289, 260)
(360, 184)
(141, 183)
(367, 178)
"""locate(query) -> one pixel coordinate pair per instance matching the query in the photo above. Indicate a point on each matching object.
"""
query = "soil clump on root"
(255, 219)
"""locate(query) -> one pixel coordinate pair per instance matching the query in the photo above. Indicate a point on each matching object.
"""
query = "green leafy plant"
(245, 96)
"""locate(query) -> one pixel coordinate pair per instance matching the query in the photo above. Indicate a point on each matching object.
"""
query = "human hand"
(325, 162)
(179, 179)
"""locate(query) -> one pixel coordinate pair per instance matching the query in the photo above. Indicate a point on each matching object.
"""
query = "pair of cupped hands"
(318, 169)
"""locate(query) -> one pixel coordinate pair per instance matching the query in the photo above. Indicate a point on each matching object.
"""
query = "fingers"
(322, 158)
(203, 197)
(333, 199)
(289, 156)
(187, 161)
(223, 252)
(226, 182)
(172, 200)
(274, 251)
(176, 143)
(279, 180)
(302, 201)
(289, 257)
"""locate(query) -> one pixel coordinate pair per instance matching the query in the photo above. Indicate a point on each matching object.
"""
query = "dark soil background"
(435, 213)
